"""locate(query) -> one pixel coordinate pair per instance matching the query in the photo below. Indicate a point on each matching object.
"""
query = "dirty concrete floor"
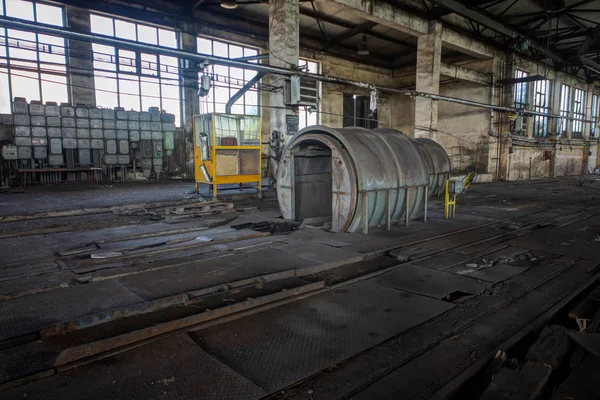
(507, 240)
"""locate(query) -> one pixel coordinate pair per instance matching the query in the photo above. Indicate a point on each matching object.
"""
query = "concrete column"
(81, 67)
(284, 48)
(189, 92)
(190, 102)
(429, 53)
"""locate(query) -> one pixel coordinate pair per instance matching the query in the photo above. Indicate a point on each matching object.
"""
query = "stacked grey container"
(101, 137)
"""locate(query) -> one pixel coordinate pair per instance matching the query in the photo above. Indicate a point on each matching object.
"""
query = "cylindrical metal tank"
(438, 164)
(356, 176)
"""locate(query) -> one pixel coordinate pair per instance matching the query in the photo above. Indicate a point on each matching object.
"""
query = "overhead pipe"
(243, 90)
(13, 23)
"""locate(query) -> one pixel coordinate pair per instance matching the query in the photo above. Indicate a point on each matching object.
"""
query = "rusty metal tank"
(359, 177)
(438, 164)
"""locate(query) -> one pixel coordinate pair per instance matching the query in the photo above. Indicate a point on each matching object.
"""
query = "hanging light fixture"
(229, 4)
(362, 47)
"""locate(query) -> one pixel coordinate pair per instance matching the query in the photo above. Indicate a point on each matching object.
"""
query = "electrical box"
(85, 157)
(38, 131)
(69, 143)
(40, 153)
(53, 121)
(110, 134)
(97, 144)
(54, 132)
(24, 153)
(23, 141)
(123, 147)
(146, 148)
(22, 131)
(56, 146)
(95, 113)
(96, 134)
(10, 153)
(134, 136)
(56, 160)
(111, 146)
(109, 124)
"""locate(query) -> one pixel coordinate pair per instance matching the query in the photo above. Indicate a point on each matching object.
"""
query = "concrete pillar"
(284, 49)
(81, 77)
(429, 54)
(189, 91)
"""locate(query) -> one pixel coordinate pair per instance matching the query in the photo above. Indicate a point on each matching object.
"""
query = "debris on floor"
(274, 228)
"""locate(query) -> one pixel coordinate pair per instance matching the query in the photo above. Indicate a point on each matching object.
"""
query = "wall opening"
(313, 180)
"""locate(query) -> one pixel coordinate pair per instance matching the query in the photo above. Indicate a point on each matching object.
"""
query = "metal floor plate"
(170, 368)
(279, 347)
(27, 314)
(428, 282)
(170, 281)
(495, 273)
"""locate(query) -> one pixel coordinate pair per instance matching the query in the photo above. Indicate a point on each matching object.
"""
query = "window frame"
(578, 112)
(210, 100)
(594, 116)
(369, 121)
(37, 69)
(304, 113)
(541, 103)
(129, 66)
(564, 108)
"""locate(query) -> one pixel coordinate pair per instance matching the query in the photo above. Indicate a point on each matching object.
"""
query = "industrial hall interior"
(300, 199)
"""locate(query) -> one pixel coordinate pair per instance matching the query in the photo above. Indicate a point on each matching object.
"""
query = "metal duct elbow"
(358, 177)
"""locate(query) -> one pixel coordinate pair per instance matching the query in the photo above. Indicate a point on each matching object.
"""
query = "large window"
(521, 90)
(521, 99)
(541, 103)
(594, 125)
(32, 65)
(357, 112)
(565, 109)
(308, 115)
(578, 112)
(226, 81)
(136, 80)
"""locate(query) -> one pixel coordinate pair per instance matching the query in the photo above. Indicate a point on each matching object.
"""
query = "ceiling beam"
(589, 42)
(362, 28)
(384, 14)
(348, 25)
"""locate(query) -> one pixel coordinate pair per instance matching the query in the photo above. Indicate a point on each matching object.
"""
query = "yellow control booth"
(227, 150)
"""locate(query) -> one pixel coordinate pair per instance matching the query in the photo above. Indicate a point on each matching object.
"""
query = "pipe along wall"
(359, 177)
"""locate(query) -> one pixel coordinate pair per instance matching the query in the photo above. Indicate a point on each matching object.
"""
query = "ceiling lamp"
(362, 47)
(229, 4)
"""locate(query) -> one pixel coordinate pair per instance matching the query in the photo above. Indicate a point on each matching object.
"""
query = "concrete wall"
(528, 163)
(463, 131)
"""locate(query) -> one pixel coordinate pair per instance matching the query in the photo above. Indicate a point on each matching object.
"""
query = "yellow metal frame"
(452, 202)
(211, 165)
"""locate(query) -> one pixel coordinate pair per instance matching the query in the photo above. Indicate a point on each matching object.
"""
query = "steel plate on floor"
(495, 273)
(429, 282)
(281, 346)
(29, 314)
